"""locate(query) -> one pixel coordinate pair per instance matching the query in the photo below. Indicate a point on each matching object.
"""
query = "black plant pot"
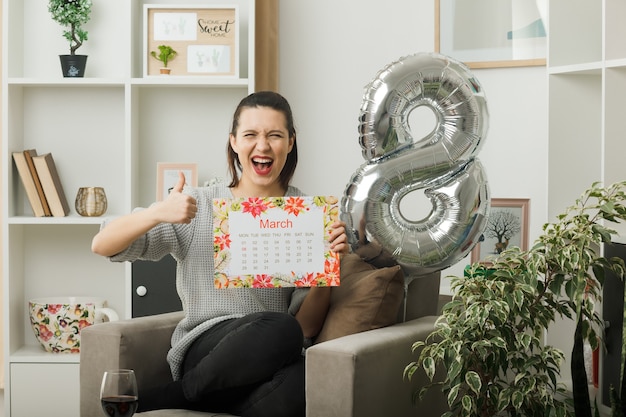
(73, 65)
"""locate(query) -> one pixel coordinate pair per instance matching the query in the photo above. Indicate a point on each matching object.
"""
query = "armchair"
(357, 375)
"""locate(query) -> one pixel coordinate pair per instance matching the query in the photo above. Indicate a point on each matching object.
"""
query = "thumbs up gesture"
(179, 207)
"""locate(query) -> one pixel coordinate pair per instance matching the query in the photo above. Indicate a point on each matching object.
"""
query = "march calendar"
(274, 242)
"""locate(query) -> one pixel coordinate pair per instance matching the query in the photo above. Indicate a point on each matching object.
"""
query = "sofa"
(355, 369)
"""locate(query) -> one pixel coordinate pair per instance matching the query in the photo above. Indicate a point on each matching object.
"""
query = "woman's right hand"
(118, 234)
(177, 207)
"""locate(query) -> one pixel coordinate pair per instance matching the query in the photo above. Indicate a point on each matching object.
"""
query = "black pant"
(251, 367)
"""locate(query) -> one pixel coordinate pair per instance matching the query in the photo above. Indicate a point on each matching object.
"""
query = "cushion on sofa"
(368, 298)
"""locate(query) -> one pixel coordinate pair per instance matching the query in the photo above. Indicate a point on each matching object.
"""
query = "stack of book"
(42, 183)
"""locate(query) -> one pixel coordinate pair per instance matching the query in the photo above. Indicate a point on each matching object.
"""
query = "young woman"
(236, 350)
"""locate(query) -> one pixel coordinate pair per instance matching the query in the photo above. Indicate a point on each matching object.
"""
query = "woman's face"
(262, 144)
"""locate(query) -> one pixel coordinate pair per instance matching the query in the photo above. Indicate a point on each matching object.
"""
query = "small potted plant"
(72, 15)
(165, 54)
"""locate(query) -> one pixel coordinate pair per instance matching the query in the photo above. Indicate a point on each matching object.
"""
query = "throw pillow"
(367, 298)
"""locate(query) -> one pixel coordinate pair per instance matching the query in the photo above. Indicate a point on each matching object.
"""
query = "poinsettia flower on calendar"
(307, 280)
(255, 206)
(263, 281)
(331, 273)
(223, 241)
(294, 205)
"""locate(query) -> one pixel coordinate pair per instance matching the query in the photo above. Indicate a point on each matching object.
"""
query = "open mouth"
(262, 165)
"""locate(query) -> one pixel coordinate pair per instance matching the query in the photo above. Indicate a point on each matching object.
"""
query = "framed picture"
(492, 33)
(206, 39)
(507, 226)
(167, 177)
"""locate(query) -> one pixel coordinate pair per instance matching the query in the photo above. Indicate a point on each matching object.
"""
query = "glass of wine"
(118, 393)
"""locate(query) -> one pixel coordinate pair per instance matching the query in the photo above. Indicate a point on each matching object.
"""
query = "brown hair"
(279, 103)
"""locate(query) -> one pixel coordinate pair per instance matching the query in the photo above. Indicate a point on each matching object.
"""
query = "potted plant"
(165, 54)
(489, 337)
(72, 15)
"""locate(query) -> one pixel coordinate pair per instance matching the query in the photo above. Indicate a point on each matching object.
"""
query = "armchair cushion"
(140, 344)
(361, 375)
(368, 298)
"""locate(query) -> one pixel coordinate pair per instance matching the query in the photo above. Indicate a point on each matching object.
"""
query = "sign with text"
(206, 39)
(274, 242)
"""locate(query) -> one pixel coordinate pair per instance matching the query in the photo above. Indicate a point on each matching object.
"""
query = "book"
(29, 153)
(29, 184)
(51, 183)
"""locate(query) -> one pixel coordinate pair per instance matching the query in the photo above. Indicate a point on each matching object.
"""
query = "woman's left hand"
(338, 238)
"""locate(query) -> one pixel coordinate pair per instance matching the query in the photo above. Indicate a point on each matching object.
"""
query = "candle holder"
(91, 201)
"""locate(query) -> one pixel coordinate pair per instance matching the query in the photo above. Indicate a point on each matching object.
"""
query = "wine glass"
(118, 393)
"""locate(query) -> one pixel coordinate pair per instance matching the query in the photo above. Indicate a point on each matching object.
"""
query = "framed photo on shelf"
(492, 33)
(205, 38)
(507, 226)
(167, 177)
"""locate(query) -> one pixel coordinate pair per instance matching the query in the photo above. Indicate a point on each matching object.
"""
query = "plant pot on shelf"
(73, 65)
(165, 71)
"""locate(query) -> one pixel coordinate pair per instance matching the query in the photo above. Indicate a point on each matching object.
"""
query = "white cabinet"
(45, 389)
(108, 129)
(587, 86)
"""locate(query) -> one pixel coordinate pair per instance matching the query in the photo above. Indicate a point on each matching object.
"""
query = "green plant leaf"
(602, 231)
(422, 392)
(517, 398)
(467, 403)
(498, 342)
(473, 381)
(454, 369)
(417, 345)
(409, 370)
(504, 400)
(429, 367)
(524, 340)
(453, 394)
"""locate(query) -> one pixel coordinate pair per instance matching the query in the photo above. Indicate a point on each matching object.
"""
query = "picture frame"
(206, 39)
(507, 226)
(167, 177)
(492, 33)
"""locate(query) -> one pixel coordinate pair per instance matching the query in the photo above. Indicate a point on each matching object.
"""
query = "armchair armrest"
(140, 344)
(362, 374)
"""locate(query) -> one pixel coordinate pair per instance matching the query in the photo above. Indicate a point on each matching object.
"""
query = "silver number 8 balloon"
(443, 165)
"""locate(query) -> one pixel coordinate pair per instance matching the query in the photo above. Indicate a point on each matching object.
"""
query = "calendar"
(274, 242)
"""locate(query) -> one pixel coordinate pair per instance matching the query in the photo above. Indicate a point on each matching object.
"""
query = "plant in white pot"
(72, 15)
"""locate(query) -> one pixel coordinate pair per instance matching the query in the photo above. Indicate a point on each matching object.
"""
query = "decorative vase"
(91, 201)
(73, 66)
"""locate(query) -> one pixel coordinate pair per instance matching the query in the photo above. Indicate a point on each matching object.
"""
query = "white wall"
(329, 51)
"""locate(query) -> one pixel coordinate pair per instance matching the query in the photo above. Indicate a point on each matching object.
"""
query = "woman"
(236, 350)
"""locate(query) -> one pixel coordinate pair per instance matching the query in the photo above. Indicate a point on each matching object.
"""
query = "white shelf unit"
(108, 129)
(587, 141)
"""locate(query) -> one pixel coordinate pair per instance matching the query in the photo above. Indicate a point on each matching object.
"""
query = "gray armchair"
(359, 375)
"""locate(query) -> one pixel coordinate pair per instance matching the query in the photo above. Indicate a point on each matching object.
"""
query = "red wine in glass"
(119, 406)
(118, 394)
